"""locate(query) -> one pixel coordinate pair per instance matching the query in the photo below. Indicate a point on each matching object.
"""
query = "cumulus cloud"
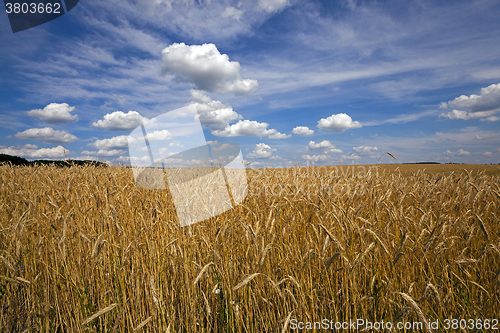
(328, 147)
(206, 68)
(54, 113)
(116, 142)
(278, 135)
(463, 152)
(216, 116)
(459, 152)
(315, 158)
(365, 150)
(456, 114)
(338, 123)
(46, 134)
(487, 153)
(483, 106)
(271, 6)
(261, 150)
(244, 128)
(159, 135)
(213, 114)
(351, 157)
(197, 96)
(124, 159)
(489, 99)
(334, 151)
(31, 151)
(120, 121)
(250, 128)
(322, 144)
(302, 130)
(103, 152)
(176, 144)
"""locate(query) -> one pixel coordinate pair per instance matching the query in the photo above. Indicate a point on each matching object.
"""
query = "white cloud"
(232, 12)
(54, 113)
(120, 99)
(46, 134)
(213, 114)
(276, 158)
(401, 118)
(484, 106)
(277, 135)
(456, 114)
(487, 153)
(206, 68)
(489, 99)
(328, 147)
(120, 121)
(338, 123)
(334, 151)
(103, 152)
(159, 135)
(137, 159)
(177, 144)
(273, 5)
(315, 158)
(261, 150)
(197, 96)
(322, 144)
(116, 142)
(365, 150)
(217, 116)
(125, 159)
(252, 164)
(459, 152)
(491, 118)
(250, 128)
(244, 128)
(31, 151)
(464, 115)
(202, 20)
(302, 130)
(351, 157)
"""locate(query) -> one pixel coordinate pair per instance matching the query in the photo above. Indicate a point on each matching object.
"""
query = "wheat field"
(83, 249)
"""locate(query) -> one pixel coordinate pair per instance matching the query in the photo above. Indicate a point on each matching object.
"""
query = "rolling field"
(83, 249)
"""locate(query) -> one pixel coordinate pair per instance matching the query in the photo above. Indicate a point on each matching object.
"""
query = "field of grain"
(83, 249)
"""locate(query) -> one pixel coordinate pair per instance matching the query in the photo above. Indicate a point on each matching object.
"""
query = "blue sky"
(286, 80)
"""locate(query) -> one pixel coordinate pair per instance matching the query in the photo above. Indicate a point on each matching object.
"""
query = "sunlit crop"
(85, 249)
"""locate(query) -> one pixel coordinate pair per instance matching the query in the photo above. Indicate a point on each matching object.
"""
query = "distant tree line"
(15, 160)
(422, 163)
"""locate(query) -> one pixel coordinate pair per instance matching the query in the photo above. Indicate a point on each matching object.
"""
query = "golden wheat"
(85, 249)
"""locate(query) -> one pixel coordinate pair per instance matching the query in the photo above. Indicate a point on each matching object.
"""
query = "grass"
(83, 249)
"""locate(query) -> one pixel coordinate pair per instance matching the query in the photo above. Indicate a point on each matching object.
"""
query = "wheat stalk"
(99, 313)
(378, 240)
(201, 272)
(417, 310)
(245, 281)
(143, 323)
(285, 326)
(361, 256)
